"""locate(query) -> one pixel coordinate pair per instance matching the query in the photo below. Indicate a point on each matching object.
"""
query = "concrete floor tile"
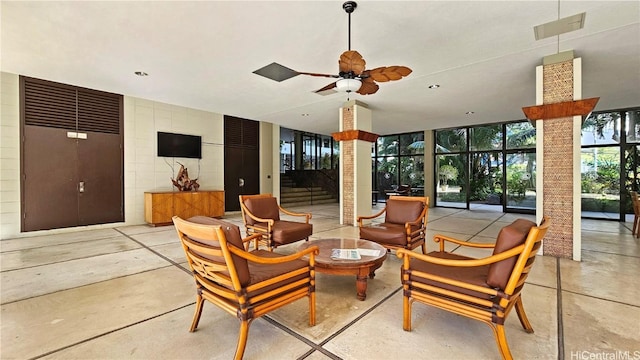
(597, 326)
(40, 280)
(47, 323)
(605, 276)
(56, 239)
(36, 256)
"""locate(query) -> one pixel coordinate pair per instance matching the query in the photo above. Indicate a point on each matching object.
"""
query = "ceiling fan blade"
(368, 87)
(389, 73)
(317, 74)
(351, 60)
(328, 87)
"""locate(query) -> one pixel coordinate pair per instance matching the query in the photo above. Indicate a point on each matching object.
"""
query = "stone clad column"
(558, 154)
(355, 161)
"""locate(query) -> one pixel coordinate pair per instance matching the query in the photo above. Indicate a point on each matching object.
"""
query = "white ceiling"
(201, 54)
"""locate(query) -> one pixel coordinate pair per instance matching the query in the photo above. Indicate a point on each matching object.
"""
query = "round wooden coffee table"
(363, 268)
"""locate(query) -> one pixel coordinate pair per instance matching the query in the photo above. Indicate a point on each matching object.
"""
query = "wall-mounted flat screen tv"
(179, 145)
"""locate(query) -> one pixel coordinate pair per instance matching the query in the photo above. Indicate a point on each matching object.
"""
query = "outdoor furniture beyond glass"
(245, 284)
(261, 215)
(404, 225)
(484, 289)
(635, 201)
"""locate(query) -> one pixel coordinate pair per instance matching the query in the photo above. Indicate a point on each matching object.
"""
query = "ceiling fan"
(352, 75)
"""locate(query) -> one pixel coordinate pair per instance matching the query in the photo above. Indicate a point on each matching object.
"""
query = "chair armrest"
(311, 251)
(307, 215)
(368, 217)
(261, 220)
(248, 239)
(439, 238)
(461, 263)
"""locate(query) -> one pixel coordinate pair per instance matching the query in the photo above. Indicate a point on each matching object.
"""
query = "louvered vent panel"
(98, 112)
(49, 105)
(250, 134)
(232, 131)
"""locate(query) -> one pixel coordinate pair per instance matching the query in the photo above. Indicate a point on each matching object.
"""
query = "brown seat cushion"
(262, 207)
(385, 234)
(475, 275)
(402, 211)
(232, 234)
(509, 237)
(285, 232)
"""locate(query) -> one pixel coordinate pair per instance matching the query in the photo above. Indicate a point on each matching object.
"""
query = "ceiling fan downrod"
(349, 7)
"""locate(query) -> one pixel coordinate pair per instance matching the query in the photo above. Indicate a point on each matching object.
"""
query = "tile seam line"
(67, 260)
(321, 344)
(156, 253)
(559, 311)
(89, 284)
(115, 236)
(110, 332)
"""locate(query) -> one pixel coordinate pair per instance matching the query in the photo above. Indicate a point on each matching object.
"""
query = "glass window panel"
(633, 126)
(485, 183)
(387, 173)
(521, 135)
(521, 180)
(485, 138)
(600, 182)
(601, 129)
(451, 176)
(412, 144)
(388, 145)
(451, 140)
(412, 172)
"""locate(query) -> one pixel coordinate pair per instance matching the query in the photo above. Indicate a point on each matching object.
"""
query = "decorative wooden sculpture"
(182, 181)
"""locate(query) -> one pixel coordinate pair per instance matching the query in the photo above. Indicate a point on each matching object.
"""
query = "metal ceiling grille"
(51, 104)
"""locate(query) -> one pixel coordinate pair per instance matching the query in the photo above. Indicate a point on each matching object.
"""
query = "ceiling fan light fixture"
(348, 85)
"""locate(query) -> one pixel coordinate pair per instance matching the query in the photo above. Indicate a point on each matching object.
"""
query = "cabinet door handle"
(81, 186)
(241, 182)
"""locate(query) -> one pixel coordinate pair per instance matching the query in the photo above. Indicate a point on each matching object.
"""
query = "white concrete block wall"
(143, 169)
(9, 155)
(147, 171)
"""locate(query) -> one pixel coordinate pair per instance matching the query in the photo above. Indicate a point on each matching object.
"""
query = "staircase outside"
(290, 195)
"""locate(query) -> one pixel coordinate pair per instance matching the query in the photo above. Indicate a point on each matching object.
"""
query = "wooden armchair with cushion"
(245, 284)
(404, 224)
(484, 289)
(261, 215)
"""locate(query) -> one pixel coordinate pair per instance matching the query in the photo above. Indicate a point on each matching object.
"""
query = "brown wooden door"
(50, 179)
(101, 199)
(72, 156)
(241, 159)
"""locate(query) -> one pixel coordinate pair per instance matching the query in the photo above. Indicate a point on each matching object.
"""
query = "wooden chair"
(484, 289)
(404, 226)
(635, 200)
(261, 215)
(245, 284)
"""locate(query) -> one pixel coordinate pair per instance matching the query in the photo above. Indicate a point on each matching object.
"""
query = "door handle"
(81, 186)
(241, 182)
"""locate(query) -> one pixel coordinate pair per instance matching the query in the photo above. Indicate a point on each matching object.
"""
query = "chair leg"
(523, 316)
(198, 312)
(242, 339)
(312, 308)
(635, 225)
(424, 247)
(406, 313)
(501, 340)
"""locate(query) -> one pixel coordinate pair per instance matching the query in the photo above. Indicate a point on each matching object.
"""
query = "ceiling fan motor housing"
(349, 6)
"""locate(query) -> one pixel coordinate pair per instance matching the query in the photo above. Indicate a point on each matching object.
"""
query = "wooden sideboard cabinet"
(160, 207)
